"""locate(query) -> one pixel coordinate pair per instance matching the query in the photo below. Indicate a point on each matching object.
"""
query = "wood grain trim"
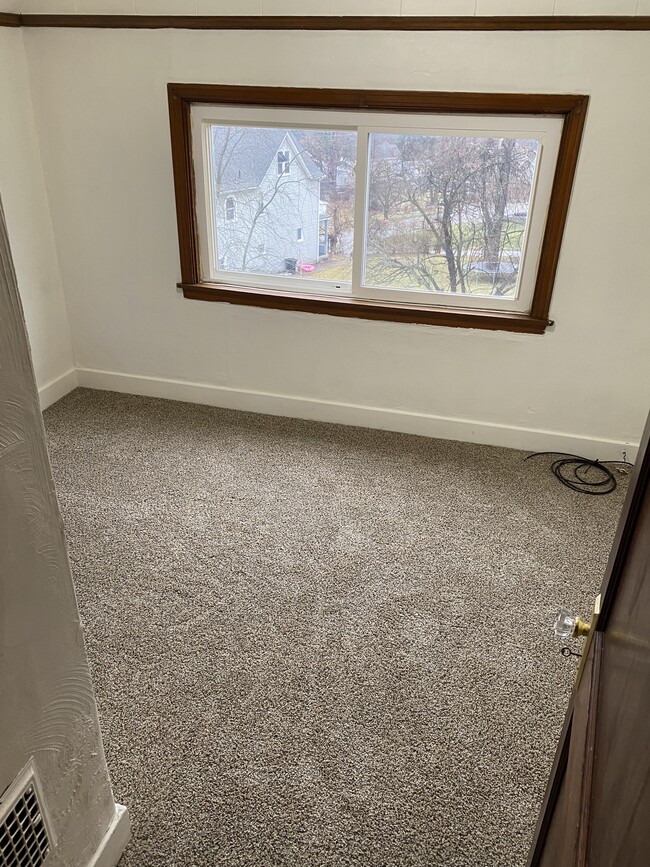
(634, 499)
(573, 767)
(362, 309)
(344, 22)
(567, 161)
(10, 19)
(584, 816)
(553, 787)
(184, 184)
(182, 96)
(450, 102)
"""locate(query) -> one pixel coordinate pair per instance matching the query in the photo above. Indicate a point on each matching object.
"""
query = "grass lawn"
(340, 268)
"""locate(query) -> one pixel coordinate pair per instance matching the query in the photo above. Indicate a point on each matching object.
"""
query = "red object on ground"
(306, 269)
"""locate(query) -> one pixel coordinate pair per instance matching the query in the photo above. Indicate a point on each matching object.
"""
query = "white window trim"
(545, 129)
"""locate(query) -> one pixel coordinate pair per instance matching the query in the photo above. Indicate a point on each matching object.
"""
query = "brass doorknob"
(569, 625)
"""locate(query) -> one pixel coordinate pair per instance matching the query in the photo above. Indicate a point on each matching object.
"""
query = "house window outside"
(284, 163)
(230, 209)
(419, 212)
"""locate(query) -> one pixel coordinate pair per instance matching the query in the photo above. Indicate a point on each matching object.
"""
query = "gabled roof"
(243, 155)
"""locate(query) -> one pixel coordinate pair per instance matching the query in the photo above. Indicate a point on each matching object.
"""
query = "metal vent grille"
(24, 840)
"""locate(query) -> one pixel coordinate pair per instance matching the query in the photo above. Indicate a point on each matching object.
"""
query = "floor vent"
(24, 837)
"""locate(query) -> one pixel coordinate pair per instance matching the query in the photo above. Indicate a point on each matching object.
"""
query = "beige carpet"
(316, 645)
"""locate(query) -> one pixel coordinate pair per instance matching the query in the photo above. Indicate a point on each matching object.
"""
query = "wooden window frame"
(571, 107)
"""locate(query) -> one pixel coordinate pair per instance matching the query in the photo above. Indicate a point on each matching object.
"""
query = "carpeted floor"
(316, 645)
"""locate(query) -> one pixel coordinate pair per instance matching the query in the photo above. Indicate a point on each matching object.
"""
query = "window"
(420, 207)
(230, 209)
(284, 163)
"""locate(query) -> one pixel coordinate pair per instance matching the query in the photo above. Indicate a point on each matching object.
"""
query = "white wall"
(101, 107)
(335, 7)
(22, 189)
(48, 714)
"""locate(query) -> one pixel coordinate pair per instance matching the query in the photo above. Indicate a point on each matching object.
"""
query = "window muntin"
(230, 209)
(494, 277)
(284, 163)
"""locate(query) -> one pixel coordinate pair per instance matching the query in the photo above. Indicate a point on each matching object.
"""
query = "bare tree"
(334, 152)
(451, 211)
(386, 186)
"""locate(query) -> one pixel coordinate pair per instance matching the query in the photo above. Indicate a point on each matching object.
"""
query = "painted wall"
(101, 108)
(47, 704)
(22, 188)
(336, 7)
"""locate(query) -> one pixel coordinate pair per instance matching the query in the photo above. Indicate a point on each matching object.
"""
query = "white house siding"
(232, 237)
(295, 206)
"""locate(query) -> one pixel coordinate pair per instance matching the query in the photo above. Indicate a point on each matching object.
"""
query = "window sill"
(362, 309)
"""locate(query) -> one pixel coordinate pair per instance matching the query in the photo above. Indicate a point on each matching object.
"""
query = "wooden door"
(596, 811)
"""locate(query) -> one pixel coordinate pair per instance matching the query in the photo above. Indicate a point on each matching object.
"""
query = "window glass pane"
(282, 201)
(448, 213)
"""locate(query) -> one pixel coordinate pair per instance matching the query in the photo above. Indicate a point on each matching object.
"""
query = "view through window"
(419, 214)
(294, 190)
(448, 214)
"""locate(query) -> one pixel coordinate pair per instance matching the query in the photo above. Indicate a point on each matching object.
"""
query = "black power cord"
(572, 470)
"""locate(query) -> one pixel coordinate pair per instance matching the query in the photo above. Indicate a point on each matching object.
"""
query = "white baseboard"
(422, 424)
(57, 388)
(114, 840)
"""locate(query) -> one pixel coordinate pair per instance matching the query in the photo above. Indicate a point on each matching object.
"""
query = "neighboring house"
(386, 151)
(269, 217)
